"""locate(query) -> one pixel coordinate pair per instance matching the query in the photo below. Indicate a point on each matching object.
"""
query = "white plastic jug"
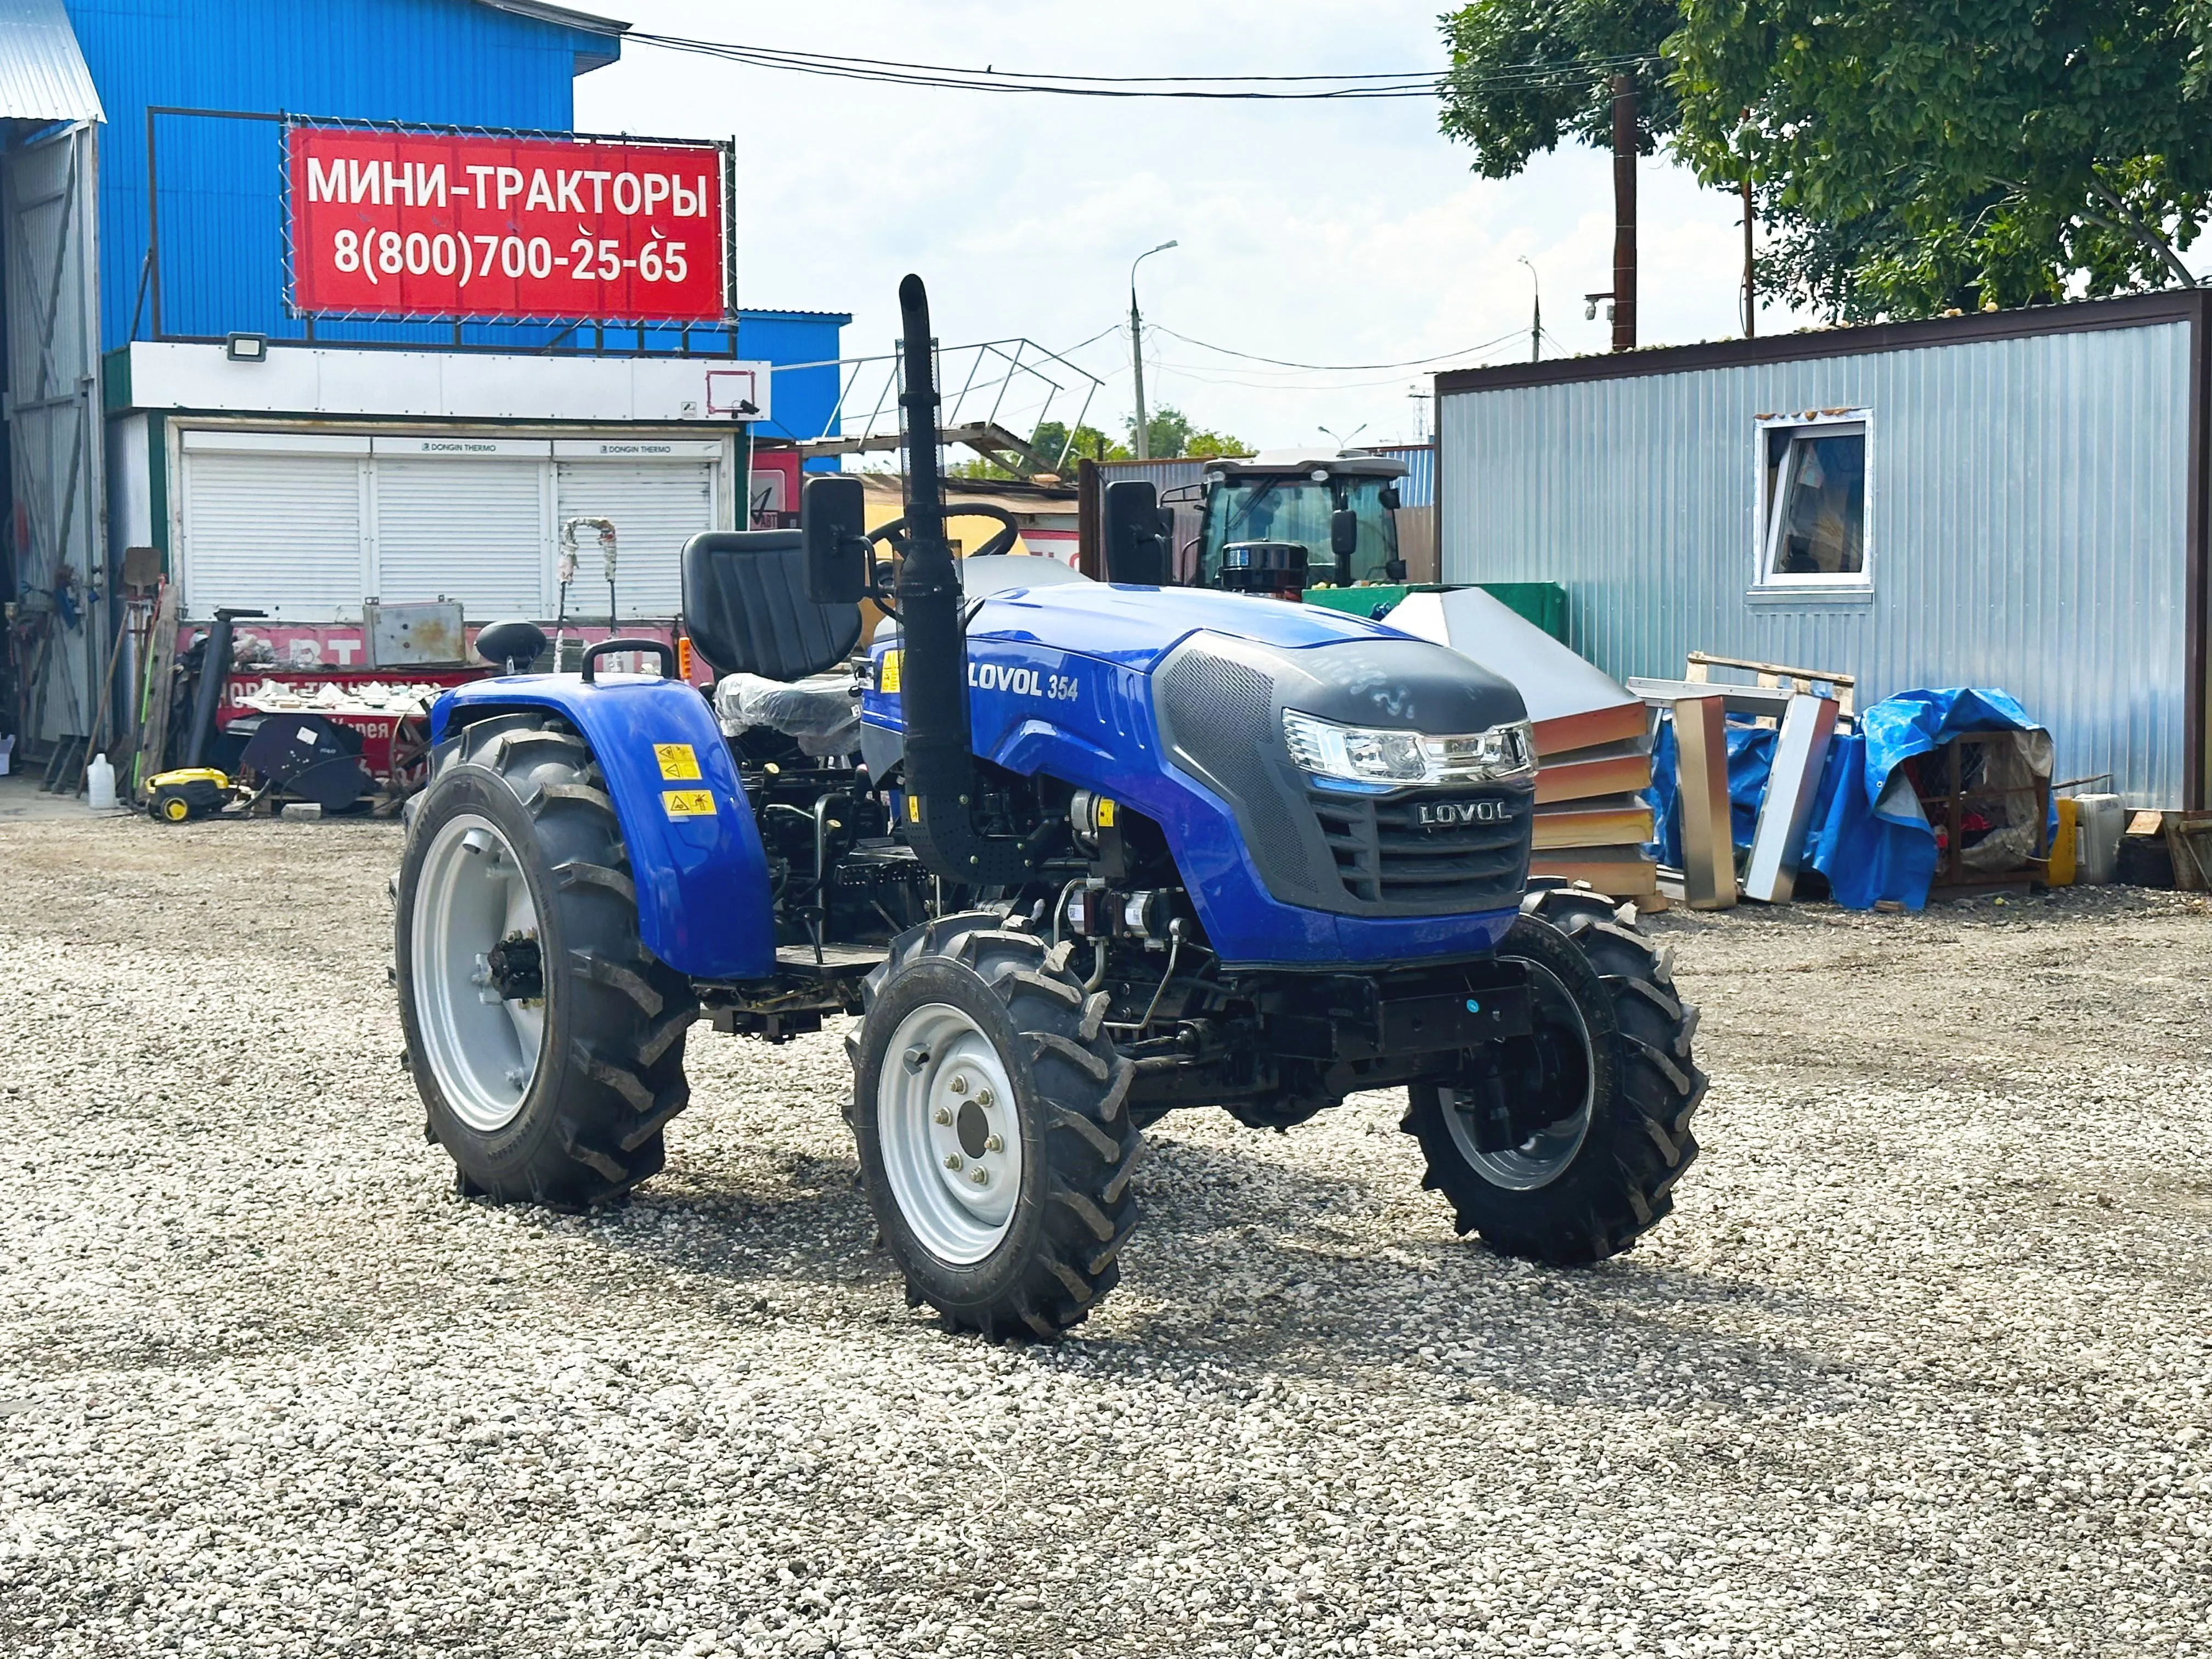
(2102, 821)
(100, 779)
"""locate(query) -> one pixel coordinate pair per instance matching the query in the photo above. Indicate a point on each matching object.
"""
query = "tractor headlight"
(1361, 754)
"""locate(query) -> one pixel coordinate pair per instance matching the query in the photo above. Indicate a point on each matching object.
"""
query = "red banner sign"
(401, 224)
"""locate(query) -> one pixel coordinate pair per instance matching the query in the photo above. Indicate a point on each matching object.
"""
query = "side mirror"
(1389, 497)
(1344, 532)
(1136, 530)
(833, 531)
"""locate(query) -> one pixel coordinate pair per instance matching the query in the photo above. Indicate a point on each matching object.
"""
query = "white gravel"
(1920, 1365)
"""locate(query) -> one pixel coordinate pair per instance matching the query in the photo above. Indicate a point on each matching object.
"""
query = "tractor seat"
(746, 610)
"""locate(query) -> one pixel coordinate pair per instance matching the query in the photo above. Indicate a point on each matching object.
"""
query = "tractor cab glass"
(1297, 509)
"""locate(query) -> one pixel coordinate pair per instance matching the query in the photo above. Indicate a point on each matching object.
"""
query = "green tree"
(1906, 156)
(1911, 157)
(1528, 74)
(1174, 437)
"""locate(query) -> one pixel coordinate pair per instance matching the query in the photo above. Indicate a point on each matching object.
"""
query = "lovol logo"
(1440, 814)
(1003, 676)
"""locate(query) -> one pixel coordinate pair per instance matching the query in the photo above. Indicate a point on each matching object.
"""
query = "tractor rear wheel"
(1604, 1094)
(995, 1145)
(546, 1043)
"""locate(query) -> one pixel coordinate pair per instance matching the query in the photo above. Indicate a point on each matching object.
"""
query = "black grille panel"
(1385, 854)
(1223, 722)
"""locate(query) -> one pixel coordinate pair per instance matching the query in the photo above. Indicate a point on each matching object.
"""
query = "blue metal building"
(345, 460)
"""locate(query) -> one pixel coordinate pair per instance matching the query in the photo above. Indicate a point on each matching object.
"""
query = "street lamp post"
(1535, 313)
(1137, 351)
(1343, 443)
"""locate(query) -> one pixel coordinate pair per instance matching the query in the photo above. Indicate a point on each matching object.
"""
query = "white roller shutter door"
(276, 533)
(470, 530)
(657, 506)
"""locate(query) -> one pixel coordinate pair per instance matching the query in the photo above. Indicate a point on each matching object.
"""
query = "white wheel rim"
(944, 1114)
(1544, 1157)
(482, 1047)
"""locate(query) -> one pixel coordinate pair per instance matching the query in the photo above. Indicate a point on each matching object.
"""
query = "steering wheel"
(896, 530)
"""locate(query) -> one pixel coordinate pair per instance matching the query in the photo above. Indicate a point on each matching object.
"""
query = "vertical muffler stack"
(940, 759)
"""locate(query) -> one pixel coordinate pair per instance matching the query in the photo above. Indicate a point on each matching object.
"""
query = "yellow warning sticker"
(887, 676)
(914, 808)
(677, 762)
(688, 803)
(1105, 813)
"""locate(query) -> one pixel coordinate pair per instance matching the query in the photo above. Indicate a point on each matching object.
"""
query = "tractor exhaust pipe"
(940, 759)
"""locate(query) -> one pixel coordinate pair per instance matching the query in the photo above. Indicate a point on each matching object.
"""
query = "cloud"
(1341, 232)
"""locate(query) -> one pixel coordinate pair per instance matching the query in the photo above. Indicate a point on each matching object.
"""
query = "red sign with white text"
(404, 224)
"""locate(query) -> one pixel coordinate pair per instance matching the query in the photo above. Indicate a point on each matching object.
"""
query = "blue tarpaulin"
(1868, 847)
(1873, 842)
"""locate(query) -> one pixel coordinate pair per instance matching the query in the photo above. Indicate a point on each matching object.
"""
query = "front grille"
(1386, 856)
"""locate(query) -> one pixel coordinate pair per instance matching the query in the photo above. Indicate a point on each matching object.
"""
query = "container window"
(1813, 519)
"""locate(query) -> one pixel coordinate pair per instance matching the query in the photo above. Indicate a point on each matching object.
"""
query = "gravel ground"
(1919, 1366)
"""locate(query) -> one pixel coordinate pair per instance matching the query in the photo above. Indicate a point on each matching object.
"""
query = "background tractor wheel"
(1599, 1103)
(547, 1044)
(995, 1143)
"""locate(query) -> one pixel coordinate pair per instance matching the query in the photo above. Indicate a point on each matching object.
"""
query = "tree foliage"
(1173, 436)
(1528, 74)
(1907, 157)
(1913, 157)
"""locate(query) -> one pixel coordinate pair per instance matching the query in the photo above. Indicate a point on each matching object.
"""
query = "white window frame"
(1764, 578)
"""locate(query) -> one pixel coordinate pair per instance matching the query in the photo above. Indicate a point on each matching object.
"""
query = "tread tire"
(610, 1074)
(1620, 1183)
(1077, 1205)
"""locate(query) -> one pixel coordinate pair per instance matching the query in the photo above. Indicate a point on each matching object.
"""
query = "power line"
(1340, 368)
(1349, 85)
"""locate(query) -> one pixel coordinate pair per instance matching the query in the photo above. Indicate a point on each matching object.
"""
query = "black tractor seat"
(746, 610)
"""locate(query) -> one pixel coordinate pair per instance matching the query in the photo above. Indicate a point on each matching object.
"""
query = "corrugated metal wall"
(2028, 525)
(1419, 487)
(221, 220)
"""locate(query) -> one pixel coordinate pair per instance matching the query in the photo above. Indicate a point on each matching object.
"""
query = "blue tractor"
(1076, 854)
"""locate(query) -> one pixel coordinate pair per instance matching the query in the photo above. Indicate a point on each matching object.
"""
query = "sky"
(1333, 234)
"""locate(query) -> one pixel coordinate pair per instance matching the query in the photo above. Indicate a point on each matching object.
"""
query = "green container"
(1544, 603)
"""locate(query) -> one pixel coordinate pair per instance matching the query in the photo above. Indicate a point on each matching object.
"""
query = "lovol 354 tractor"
(1076, 853)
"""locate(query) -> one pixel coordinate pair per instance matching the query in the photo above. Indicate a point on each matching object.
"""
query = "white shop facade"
(315, 480)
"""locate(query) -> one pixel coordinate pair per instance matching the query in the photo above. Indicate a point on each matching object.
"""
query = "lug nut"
(953, 1160)
(993, 1144)
(982, 1176)
(941, 1116)
(982, 1097)
(957, 1082)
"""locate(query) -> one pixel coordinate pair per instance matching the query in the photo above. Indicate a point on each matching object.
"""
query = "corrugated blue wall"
(221, 222)
(2028, 525)
(222, 206)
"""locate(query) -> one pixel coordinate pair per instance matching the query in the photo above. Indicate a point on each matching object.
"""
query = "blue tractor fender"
(694, 852)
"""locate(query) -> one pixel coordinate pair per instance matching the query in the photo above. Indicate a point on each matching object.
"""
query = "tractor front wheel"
(994, 1142)
(1570, 1151)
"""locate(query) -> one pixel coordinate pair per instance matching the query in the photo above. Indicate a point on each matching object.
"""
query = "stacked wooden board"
(1592, 739)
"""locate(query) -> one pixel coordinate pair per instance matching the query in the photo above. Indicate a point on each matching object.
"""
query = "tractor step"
(835, 960)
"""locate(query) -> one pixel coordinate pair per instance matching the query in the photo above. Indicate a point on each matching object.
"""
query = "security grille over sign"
(408, 224)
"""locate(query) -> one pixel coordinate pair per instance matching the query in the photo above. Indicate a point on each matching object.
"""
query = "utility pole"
(1535, 313)
(1624, 213)
(1137, 351)
(1750, 281)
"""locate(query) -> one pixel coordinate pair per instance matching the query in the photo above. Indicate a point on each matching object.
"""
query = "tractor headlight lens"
(1361, 754)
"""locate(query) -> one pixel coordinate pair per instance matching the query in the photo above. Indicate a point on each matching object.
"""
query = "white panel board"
(459, 385)
(470, 529)
(276, 533)
(657, 506)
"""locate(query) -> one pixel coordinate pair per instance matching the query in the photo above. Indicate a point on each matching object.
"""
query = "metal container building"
(2014, 500)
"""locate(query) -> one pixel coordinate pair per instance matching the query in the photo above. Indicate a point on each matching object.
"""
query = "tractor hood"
(1134, 628)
